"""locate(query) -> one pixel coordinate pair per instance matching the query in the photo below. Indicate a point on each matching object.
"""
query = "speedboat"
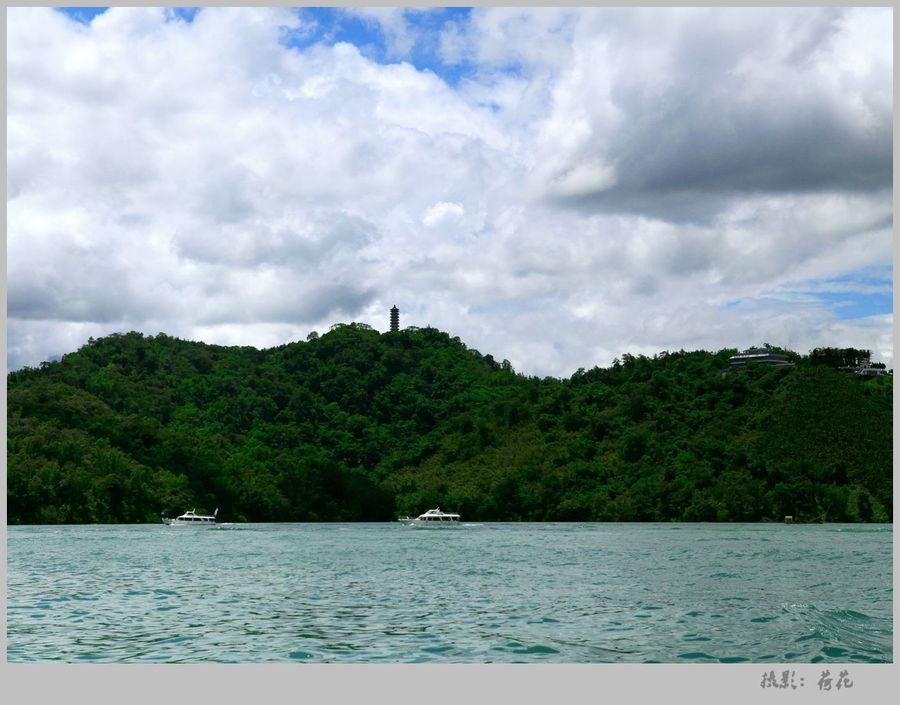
(433, 517)
(191, 518)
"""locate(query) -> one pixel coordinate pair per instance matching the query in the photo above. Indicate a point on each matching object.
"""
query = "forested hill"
(357, 425)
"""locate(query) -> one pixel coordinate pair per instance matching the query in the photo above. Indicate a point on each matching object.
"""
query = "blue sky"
(85, 14)
(333, 24)
(556, 186)
(336, 25)
(858, 295)
(82, 14)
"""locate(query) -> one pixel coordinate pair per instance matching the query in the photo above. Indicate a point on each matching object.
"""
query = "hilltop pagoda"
(395, 319)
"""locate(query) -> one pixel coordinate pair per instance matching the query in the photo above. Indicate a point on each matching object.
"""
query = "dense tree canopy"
(356, 425)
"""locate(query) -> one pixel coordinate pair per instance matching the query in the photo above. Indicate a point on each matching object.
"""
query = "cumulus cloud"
(399, 35)
(718, 104)
(556, 186)
(443, 212)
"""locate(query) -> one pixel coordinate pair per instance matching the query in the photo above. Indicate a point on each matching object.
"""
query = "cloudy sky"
(556, 186)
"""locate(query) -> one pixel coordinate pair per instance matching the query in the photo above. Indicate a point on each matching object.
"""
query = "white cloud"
(599, 182)
(399, 36)
(442, 212)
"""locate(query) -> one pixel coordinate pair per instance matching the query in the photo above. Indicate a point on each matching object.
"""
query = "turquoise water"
(476, 593)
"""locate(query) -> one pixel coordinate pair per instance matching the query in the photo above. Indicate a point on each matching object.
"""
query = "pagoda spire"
(395, 319)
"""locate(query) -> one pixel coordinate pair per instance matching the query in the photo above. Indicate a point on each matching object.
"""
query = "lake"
(474, 593)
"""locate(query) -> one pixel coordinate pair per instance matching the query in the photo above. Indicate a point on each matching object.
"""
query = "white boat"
(191, 518)
(433, 517)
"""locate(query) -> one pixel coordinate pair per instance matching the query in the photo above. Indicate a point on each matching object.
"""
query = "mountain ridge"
(360, 425)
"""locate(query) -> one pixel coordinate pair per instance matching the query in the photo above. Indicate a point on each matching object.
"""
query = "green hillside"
(357, 425)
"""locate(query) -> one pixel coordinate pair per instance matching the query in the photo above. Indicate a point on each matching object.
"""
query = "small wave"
(868, 529)
(437, 649)
(696, 655)
(173, 640)
(540, 649)
(848, 615)
(844, 634)
(813, 634)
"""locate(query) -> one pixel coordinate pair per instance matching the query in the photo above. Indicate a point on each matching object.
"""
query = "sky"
(555, 186)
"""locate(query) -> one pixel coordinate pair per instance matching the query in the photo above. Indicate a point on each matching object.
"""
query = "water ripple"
(565, 593)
